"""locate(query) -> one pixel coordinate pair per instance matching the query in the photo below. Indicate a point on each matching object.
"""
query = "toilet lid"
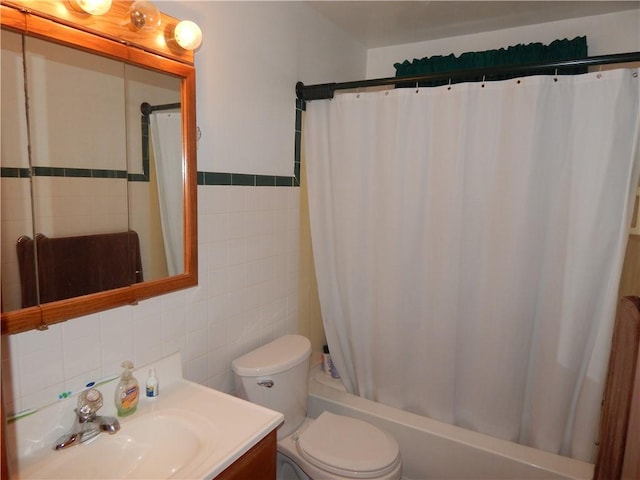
(348, 447)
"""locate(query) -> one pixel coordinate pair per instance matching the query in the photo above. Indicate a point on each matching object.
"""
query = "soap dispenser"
(127, 391)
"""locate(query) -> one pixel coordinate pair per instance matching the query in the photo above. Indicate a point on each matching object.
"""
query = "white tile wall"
(16, 221)
(246, 296)
(76, 205)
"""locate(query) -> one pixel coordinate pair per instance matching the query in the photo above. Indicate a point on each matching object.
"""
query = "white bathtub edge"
(556, 464)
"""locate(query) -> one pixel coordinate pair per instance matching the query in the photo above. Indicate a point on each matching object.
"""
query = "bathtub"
(434, 450)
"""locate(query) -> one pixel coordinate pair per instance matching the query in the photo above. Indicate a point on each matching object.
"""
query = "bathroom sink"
(154, 445)
(188, 431)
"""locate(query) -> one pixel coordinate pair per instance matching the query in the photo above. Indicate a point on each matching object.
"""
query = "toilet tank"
(276, 376)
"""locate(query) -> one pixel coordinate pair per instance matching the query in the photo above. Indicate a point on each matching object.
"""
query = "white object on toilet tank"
(276, 376)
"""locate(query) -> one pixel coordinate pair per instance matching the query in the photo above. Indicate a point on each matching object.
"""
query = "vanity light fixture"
(144, 16)
(92, 7)
(188, 35)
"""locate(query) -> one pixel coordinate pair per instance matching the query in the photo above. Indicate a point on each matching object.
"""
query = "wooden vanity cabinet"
(259, 463)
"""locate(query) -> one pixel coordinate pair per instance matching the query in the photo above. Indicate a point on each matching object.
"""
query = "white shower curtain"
(468, 244)
(166, 137)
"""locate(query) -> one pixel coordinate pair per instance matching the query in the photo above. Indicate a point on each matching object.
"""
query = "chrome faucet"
(87, 424)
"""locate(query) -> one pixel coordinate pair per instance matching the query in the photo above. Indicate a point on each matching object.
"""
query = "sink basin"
(158, 444)
(189, 432)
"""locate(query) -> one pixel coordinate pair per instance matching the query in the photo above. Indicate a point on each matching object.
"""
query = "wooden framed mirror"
(77, 123)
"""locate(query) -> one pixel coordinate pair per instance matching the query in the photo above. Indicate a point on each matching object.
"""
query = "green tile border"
(145, 123)
(241, 179)
(245, 180)
(204, 178)
(15, 172)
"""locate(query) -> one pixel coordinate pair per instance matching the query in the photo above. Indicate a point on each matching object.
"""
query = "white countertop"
(226, 427)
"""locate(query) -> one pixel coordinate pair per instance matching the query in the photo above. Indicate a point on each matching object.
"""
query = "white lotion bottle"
(152, 385)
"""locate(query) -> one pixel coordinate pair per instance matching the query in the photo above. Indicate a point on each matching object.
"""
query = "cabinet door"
(259, 463)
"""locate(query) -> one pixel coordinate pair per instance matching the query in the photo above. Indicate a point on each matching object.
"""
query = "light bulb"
(188, 35)
(144, 16)
(92, 7)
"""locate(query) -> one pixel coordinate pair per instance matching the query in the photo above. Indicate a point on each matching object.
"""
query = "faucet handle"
(89, 402)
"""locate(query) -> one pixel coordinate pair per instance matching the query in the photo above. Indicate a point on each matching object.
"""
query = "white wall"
(248, 249)
(606, 34)
(248, 236)
(247, 295)
(252, 55)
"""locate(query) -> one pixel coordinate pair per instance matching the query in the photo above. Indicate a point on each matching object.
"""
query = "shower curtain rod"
(148, 109)
(326, 90)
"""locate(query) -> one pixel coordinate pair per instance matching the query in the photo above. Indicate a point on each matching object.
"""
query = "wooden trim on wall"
(618, 393)
(4, 463)
(635, 217)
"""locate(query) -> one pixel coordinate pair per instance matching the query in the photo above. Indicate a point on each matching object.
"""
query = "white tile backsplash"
(147, 337)
(252, 296)
(198, 369)
(116, 339)
(50, 339)
(197, 343)
(218, 255)
(39, 369)
(236, 251)
(237, 224)
(173, 323)
(246, 296)
(217, 229)
(197, 316)
(218, 334)
(218, 309)
(80, 355)
(217, 281)
(236, 198)
(218, 200)
(254, 224)
(79, 382)
(217, 359)
(237, 277)
(74, 330)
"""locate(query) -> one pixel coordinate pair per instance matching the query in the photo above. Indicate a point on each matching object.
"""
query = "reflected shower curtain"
(468, 244)
(166, 137)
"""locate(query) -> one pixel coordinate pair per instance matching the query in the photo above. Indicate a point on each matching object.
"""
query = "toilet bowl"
(339, 448)
(331, 447)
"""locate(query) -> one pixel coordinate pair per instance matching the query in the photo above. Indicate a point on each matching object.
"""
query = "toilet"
(331, 447)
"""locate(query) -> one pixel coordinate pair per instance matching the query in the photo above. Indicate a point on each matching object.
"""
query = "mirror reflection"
(155, 169)
(103, 206)
(16, 213)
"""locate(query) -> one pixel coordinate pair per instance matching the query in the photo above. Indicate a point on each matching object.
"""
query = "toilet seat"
(348, 447)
